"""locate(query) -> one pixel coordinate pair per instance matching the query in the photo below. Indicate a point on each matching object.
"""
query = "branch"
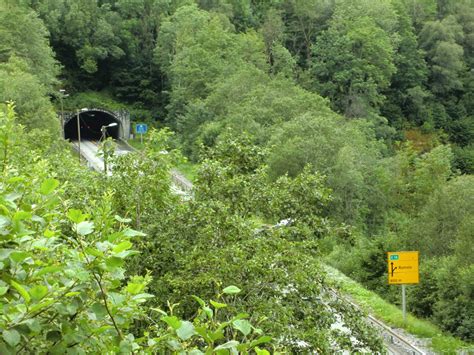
(102, 291)
(104, 298)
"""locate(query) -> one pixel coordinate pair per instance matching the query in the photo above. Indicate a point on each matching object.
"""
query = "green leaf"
(21, 215)
(217, 335)
(159, 311)
(114, 262)
(122, 220)
(209, 312)
(49, 233)
(122, 246)
(142, 296)
(99, 310)
(84, 228)
(72, 294)
(125, 347)
(231, 290)
(22, 291)
(38, 219)
(49, 270)
(111, 238)
(94, 252)
(76, 216)
(196, 352)
(242, 348)
(199, 300)
(102, 329)
(202, 331)
(4, 221)
(261, 351)
(133, 233)
(33, 324)
(243, 326)
(38, 292)
(5, 349)
(3, 290)
(117, 298)
(48, 186)
(240, 316)
(135, 288)
(5, 253)
(53, 335)
(261, 340)
(172, 321)
(186, 330)
(41, 305)
(218, 305)
(19, 256)
(12, 337)
(126, 253)
(16, 179)
(229, 345)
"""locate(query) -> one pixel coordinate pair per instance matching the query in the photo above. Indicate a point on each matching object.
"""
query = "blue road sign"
(141, 128)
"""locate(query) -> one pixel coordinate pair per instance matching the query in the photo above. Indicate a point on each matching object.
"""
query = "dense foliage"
(66, 286)
(63, 286)
(352, 121)
(407, 61)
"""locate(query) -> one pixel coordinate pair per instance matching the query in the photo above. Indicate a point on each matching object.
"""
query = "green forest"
(318, 132)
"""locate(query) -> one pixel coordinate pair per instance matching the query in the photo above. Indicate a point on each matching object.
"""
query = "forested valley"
(321, 132)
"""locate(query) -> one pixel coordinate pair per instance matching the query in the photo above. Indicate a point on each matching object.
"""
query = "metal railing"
(395, 343)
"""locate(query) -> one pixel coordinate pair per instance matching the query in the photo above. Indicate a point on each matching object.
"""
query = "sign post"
(404, 303)
(403, 270)
(141, 129)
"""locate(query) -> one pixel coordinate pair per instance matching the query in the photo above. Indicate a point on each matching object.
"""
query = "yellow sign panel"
(403, 268)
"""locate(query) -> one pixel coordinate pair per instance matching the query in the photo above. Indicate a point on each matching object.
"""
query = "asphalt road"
(89, 150)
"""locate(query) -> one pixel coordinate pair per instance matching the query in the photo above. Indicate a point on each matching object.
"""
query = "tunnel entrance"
(91, 123)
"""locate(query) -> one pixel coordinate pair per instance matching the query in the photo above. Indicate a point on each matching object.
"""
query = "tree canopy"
(322, 131)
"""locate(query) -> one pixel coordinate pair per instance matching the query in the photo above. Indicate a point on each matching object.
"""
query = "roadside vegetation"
(392, 315)
(314, 131)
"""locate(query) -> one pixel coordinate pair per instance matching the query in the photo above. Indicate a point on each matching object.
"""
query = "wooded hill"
(354, 119)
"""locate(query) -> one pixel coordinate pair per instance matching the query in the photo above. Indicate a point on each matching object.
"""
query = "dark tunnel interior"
(91, 123)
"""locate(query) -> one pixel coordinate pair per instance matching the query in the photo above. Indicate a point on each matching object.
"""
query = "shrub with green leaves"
(214, 240)
(64, 285)
(209, 330)
(62, 280)
(62, 276)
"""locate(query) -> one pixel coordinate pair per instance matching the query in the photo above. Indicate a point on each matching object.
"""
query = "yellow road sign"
(403, 267)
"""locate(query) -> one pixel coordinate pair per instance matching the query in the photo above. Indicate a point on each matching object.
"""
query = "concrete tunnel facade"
(92, 120)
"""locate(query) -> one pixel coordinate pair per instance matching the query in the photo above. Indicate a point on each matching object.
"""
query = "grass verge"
(373, 304)
(136, 143)
(189, 170)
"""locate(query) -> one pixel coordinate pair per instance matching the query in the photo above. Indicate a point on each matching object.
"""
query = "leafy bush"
(62, 280)
(212, 240)
(64, 285)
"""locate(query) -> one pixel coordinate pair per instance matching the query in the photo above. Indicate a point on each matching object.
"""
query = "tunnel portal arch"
(91, 122)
